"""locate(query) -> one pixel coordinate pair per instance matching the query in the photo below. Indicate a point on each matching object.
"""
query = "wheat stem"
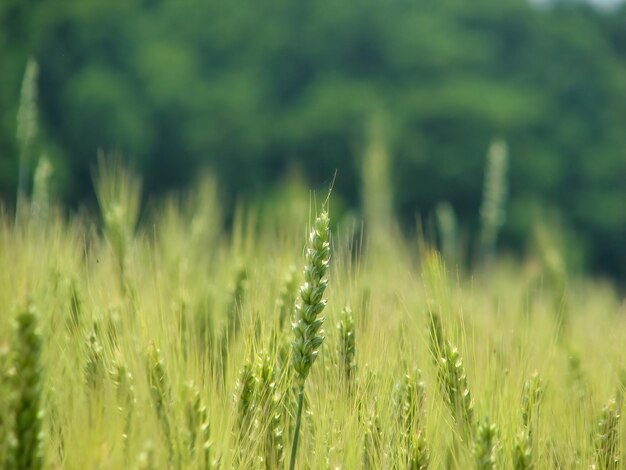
(296, 434)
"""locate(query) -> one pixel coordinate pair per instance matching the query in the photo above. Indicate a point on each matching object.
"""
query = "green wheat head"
(451, 376)
(307, 327)
(486, 446)
(347, 344)
(198, 435)
(269, 410)
(160, 392)
(409, 402)
(27, 116)
(233, 315)
(27, 386)
(119, 196)
(373, 440)
(523, 443)
(95, 370)
(244, 397)
(40, 204)
(607, 437)
(492, 210)
(5, 408)
(126, 400)
(287, 298)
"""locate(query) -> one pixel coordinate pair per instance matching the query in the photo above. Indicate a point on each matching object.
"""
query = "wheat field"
(168, 342)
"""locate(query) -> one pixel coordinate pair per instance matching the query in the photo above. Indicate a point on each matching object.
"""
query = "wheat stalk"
(486, 447)
(27, 390)
(451, 377)
(26, 128)
(160, 392)
(409, 402)
(307, 327)
(492, 211)
(607, 455)
(347, 346)
(287, 298)
(373, 440)
(126, 400)
(5, 409)
(233, 316)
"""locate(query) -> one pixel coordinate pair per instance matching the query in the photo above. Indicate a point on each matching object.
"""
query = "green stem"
(296, 435)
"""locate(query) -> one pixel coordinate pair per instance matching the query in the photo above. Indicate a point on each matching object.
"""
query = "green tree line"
(255, 89)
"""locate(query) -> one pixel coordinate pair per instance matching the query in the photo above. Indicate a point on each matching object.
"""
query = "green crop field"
(312, 235)
(171, 343)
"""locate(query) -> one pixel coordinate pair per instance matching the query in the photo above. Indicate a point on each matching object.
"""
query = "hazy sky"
(605, 2)
(598, 3)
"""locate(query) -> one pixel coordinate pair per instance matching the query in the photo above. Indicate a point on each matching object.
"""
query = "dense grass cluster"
(175, 344)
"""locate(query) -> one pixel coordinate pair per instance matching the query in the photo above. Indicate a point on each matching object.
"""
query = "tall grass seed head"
(347, 343)
(486, 446)
(27, 383)
(307, 327)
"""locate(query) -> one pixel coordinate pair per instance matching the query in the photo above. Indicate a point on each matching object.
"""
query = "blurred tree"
(253, 89)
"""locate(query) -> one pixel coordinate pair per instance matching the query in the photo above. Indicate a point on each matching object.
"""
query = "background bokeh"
(260, 91)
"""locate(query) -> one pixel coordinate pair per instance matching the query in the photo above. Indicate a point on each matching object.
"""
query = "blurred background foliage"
(257, 91)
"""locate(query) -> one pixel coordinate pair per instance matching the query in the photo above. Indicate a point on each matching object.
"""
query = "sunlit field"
(167, 341)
